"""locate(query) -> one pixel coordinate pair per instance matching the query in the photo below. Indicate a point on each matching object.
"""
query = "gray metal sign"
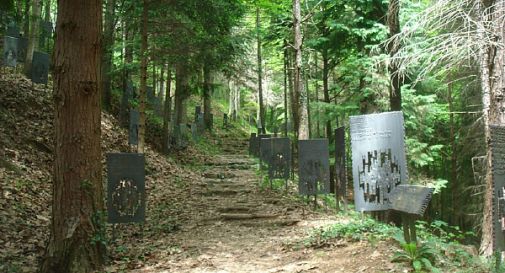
(126, 193)
(498, 169)
(194, 132)
(314, 167)
(266, 145)
(133, 132)
(340, 158)
(40, 67)
(253, 144)
(22, 48)
(12, 31)
(412, 199)
(378, 157)
(280, 161)
(10, 53)
(260, 136)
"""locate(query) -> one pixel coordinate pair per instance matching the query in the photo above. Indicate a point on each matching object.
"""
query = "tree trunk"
(207, 97)
(300, 95)
(26, 19)
(128, 59)
(143, 80)
(33, 41)
(108, 43)
(318, 116)
(326, 91)
(78, 225)
(260, 73)
(167, 112)
(286, 117)
(181, 93)
(162, 82)
(395, 95)
(493, 91)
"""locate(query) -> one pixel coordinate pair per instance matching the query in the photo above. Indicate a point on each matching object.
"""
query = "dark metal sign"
(40, 67)
(12, 31)
(412, 199)
(10, 53)
(133, 132)
(498, 169)
(314, 167)
(126, 192)
(22, 48)
(378, 159)
(265, 151)
(253, 141)
(260, 136)
(340, 159)
(194, 132)
(280, 158)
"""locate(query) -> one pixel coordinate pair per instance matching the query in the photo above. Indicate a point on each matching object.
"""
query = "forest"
(252, 136)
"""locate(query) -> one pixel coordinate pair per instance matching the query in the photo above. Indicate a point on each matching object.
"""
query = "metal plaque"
(12, 31)
(257, 152)
(133, 132)
(194, 132)
(265, 151)
(10, 53)
(150, 94)
(126, 192)
(252, 143)
(379, 163)
(340, 171)
(40, 67)
(498, 170)
(198, 111)
(22, 48)
(200, 123)
(411, 199)
(314, 167)
(280, 160)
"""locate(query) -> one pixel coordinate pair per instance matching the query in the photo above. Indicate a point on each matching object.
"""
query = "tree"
(262, 115)
(34, 38)
(108, 43)
(300, 93)
(395, 95)
(143, 79)
(77, 222)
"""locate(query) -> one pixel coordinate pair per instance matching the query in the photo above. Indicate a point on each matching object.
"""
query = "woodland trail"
(238, 227)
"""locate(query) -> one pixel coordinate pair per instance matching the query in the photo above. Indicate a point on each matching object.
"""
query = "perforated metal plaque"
(133, 132)
(126, 193)
(200, 123)
(22, 48)
(40, 67)
(10, 53)
(340, 158)
(498, 165)
(260, 136)
(265, 151)
(280, 158)
(378, 157)
(411, 199)
(252, 143)
(12, 31)
(194, 132)
(314, 167)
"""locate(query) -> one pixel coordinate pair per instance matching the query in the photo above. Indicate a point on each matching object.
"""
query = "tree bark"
(326, 91)
(286, 117)
(26, 19)
(143, 79)
(260, 74)
(207, 97)
(33, 41)
(395, 93)
(77, 225)
(108, 43)
(300, 95)
(166, 112)
(181, 93)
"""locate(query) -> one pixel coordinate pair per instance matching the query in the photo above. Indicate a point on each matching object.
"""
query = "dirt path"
(237, 227)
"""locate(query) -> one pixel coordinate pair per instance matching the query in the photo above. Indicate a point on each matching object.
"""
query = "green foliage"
(419, 257)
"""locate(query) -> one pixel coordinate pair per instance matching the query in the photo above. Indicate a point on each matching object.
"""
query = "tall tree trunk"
(77, 204)
(108, 43)
(493, 91)
(300, 94)
(326, 91)
(309, 118)
(207, 97)
(128, 59)
(316, 76)
(294, 107)
(143, 79)
(395, 93)
(286, 117)
(162, 82)
(181, 93)
(166, 112)
(260, 72)
(33, 41)
(26, 18)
